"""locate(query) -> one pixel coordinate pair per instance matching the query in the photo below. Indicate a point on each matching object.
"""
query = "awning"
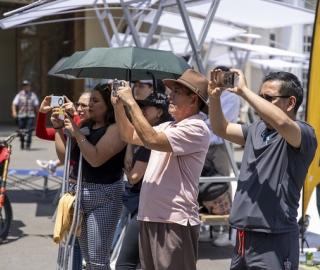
(274, 64)
(262, 49)
(174, 21)
(52, 8)
(264, 14)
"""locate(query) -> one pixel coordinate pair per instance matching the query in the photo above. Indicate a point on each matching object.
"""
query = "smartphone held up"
(116, 85)
(58, 101)
(225, 79)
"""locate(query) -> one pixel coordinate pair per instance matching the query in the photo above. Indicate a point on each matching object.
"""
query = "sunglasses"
(103, 87)
(83, 105)
(271, 98)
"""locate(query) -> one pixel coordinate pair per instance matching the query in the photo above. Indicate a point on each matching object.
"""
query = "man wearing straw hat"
(168, 205)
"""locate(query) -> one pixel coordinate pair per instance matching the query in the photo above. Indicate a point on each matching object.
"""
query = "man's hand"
(242, 83)
(213, 90)
(124, 94)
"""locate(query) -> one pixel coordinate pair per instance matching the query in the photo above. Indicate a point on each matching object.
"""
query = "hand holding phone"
(115, 87)
(225, 79)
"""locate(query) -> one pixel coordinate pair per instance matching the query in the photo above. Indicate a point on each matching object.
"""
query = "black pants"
(318, 198)
(257, 251)
(129, 253)
(26, 123)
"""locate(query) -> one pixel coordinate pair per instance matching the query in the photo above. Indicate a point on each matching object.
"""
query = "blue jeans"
(26, 123)
(77, 256)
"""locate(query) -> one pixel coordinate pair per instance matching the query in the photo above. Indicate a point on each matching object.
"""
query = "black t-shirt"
(141, 154)
(108, 173)
(271, 177)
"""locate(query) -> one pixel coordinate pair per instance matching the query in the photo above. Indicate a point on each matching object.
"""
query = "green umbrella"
(124, 63)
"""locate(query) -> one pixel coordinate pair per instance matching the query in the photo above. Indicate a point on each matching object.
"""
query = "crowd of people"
(160, 134)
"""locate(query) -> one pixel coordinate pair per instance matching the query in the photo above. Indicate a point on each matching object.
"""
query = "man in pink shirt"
(168, 205)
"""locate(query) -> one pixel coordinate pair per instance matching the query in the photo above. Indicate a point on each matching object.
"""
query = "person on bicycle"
(25, 106)
(168, 208)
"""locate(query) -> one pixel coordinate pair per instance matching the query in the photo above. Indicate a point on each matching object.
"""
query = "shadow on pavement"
(208, 251)
(45, 206)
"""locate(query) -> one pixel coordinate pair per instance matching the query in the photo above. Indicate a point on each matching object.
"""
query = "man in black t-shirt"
(277, 154)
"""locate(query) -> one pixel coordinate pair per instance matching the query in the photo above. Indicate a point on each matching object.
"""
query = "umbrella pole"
(154, 81)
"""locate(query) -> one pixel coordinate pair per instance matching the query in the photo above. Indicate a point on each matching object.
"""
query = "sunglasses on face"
(82, 105)
(271, 98)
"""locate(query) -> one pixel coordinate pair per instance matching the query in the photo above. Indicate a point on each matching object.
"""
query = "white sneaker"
(43, 163)
(222, 240)
(52, 167)
(49, 166)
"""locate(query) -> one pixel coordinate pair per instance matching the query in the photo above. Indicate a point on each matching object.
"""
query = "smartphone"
(225, 79)
(115, 86)
(57, 101)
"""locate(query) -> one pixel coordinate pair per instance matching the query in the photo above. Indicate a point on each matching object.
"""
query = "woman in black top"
(155, 110)
(103, 153)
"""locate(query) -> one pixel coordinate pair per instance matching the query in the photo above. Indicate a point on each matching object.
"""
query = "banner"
(313, 113)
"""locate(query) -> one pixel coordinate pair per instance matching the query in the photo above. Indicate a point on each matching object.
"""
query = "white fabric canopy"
(257, 13)
(174, 21)
(179, 46)
(262, 49)
(274, 63)
(52, 8)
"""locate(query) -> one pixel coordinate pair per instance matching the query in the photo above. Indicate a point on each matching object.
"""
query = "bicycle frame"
(5, 205)
(5, 154)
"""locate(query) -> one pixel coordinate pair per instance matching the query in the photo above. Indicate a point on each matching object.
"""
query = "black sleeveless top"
(107, 173)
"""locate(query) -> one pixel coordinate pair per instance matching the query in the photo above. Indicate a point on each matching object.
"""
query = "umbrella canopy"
(52, 71)
(124, 63)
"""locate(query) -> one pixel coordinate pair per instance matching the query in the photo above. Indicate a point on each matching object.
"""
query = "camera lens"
(60, 101)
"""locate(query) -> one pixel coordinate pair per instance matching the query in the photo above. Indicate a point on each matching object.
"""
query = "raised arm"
(279, 114)
(219, 124)
(109, 145)
(141, 127)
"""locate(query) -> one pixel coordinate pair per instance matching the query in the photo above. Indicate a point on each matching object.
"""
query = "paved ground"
(30, 245)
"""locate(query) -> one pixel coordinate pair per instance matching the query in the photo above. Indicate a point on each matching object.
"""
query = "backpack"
(215, 197)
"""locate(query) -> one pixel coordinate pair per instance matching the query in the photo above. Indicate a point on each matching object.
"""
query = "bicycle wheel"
(5, 219)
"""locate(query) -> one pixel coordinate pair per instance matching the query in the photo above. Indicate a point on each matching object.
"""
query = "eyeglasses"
(271, 98)
(83, 105)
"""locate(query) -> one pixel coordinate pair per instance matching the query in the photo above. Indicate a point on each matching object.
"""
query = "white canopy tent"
(265, 14)
(58, 7)
(242, 53)
(174, 21)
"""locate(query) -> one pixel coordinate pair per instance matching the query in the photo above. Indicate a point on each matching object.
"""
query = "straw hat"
(194, 81)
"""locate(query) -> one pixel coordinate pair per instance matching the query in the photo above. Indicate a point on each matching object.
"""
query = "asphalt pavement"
(30, 245)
